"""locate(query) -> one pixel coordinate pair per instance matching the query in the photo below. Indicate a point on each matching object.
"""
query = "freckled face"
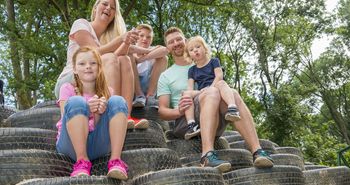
(86, 67)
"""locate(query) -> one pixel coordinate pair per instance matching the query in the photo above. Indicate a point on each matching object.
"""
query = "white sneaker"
(139, 101)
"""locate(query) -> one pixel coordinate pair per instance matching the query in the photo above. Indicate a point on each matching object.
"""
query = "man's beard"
(178, 53)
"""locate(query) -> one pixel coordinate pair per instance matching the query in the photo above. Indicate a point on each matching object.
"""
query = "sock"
(232, 105)
(191, 121)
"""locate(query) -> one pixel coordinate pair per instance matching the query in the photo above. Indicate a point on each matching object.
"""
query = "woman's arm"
(84, 38)
(119, 45)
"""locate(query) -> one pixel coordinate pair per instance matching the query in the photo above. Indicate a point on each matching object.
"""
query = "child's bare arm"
(62, 102)
(157, 52)
(139, 50)
(190, 84)
(219, 75)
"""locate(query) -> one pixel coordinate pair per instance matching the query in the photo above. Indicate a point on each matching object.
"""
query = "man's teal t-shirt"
(173, 82)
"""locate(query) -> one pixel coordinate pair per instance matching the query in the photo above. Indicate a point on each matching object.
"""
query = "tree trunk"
(22, 100)
(336, 115)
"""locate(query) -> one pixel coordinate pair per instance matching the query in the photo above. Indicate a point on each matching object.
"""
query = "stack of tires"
(154, 156)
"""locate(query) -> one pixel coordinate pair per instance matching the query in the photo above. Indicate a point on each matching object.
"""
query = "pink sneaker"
(117, 169)
(81, 168)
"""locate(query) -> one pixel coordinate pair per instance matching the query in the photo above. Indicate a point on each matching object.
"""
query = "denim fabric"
(98, 141)
(144, 79)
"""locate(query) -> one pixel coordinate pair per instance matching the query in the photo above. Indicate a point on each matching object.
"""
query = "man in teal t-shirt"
(209, 111)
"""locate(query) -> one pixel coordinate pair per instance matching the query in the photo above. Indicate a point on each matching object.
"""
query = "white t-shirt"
(143, 67)
(78, 25)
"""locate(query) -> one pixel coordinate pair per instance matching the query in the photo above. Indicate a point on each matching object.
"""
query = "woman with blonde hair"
(107, 34)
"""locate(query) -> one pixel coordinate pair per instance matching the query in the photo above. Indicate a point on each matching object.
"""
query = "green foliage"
(264, 47)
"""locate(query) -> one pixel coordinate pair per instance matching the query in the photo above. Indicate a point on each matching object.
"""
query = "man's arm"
(167, 113)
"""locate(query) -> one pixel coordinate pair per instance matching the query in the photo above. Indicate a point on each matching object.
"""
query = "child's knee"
(77, 102)
(118, 103)
(220, 83)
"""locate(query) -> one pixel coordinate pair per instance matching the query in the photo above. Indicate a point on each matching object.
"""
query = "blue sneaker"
(210, 159)
(262, 159)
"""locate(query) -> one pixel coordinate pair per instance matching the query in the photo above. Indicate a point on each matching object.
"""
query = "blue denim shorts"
(144, 79)
(98, 141)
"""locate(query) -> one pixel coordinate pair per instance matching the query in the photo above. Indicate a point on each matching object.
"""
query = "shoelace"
(119, 163)
(81, 164)
(193, 125)
(213, 156)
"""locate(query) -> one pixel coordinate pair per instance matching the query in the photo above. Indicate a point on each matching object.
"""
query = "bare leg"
(158, 67)
(245, 126)
(78, 131)
(138, 90)
(189, 113)
(209, 102)
(117, 132)
(225, 92)
(127, 80)
(111, 69)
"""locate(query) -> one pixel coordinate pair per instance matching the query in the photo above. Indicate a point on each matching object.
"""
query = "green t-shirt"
(173, 82)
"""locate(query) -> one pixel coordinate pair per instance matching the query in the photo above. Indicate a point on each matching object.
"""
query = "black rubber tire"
(45, 118)
(169, 135)
(193, 146)
(27, 138)
(289, 160)
(233, 138)
(279, 175)
(181, 176)
(265, 144)
(148, 138)
(230, 133)
(289, 150)
(314, 167)
(239, 158)
(17, 165)
(150, 113)
(92, 180)
(5, 112)
(335, 176)
(46, 104)
(308, 163)
(141, 161)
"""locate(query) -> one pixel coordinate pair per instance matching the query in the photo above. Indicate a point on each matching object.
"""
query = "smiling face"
(104, 10)
(86, 66)
(175, 43)
(145, 38)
